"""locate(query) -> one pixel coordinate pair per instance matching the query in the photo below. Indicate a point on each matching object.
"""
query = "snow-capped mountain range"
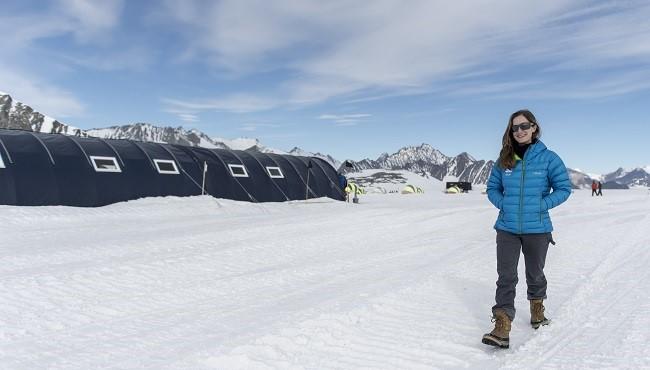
(639, 176)
(427, 161)
(331, 160)
(430, 162)
(176, 135)
(148, 132)
(423, 160)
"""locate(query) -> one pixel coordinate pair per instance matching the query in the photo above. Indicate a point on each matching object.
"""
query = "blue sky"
(349, 78)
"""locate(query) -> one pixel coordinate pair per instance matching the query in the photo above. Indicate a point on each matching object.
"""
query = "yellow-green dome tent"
(409, 189)
(353, 188)
(453, 190)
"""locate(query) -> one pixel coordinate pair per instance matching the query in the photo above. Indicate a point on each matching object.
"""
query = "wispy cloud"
(25, 29)
(579, 87)
(87, 21)
(131, 58)
(238, 103)
(244, 35)
(383, 48)
(254, 126)
(91, 18)
(594, 88)
(489, 88)
(43, 97)
(310, 52)
(185, 115)
(345, 119)
(190, 109)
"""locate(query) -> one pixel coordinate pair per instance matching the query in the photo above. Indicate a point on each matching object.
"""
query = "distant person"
(349, 188)
(520, 187)
(594, 188)
(600, 188)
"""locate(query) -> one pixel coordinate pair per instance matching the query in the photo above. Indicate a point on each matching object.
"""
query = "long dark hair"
(507, 155)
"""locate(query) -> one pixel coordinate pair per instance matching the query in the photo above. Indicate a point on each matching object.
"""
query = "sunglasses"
(524, 126)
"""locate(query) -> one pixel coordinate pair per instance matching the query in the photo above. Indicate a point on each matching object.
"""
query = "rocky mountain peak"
(19, 116)
(142, 131)
(428, 161)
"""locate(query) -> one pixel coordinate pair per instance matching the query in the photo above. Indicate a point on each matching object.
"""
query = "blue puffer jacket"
(523, 195)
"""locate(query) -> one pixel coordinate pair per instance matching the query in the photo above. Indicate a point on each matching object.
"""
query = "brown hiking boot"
(537, 318)
(500, 336)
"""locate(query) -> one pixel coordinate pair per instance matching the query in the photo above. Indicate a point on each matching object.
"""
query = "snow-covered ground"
(395, 282)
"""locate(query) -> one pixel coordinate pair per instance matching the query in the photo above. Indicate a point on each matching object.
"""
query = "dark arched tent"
(51, 169)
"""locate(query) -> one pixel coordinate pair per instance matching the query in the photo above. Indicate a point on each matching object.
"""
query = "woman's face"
(524, 130)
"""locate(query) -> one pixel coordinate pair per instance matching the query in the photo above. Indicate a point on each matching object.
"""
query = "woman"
(520, 187)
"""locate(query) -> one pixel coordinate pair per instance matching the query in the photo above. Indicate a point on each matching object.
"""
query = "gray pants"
(534, 247)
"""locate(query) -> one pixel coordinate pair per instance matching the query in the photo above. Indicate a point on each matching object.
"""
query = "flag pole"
(205, 170)
(307, 187)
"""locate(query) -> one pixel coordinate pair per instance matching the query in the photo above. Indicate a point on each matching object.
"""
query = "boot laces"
(498, 322)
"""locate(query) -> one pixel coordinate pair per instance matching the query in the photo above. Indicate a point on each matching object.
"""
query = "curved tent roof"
(52, 169)
(453, 190)
(411, 189)
(408, 189)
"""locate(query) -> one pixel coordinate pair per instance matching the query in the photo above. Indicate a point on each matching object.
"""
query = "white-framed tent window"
(237, 170)
(2, 162)
(105, 164)
(166, 166)
(275, 172)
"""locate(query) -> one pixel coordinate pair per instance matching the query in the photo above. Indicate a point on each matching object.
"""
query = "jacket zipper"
(521, 194)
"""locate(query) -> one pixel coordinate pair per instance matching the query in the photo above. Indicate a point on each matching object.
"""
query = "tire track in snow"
(398, 330)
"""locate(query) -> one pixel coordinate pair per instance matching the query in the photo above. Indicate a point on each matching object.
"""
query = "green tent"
(353, 188)
(454, 190)
(409, 189)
